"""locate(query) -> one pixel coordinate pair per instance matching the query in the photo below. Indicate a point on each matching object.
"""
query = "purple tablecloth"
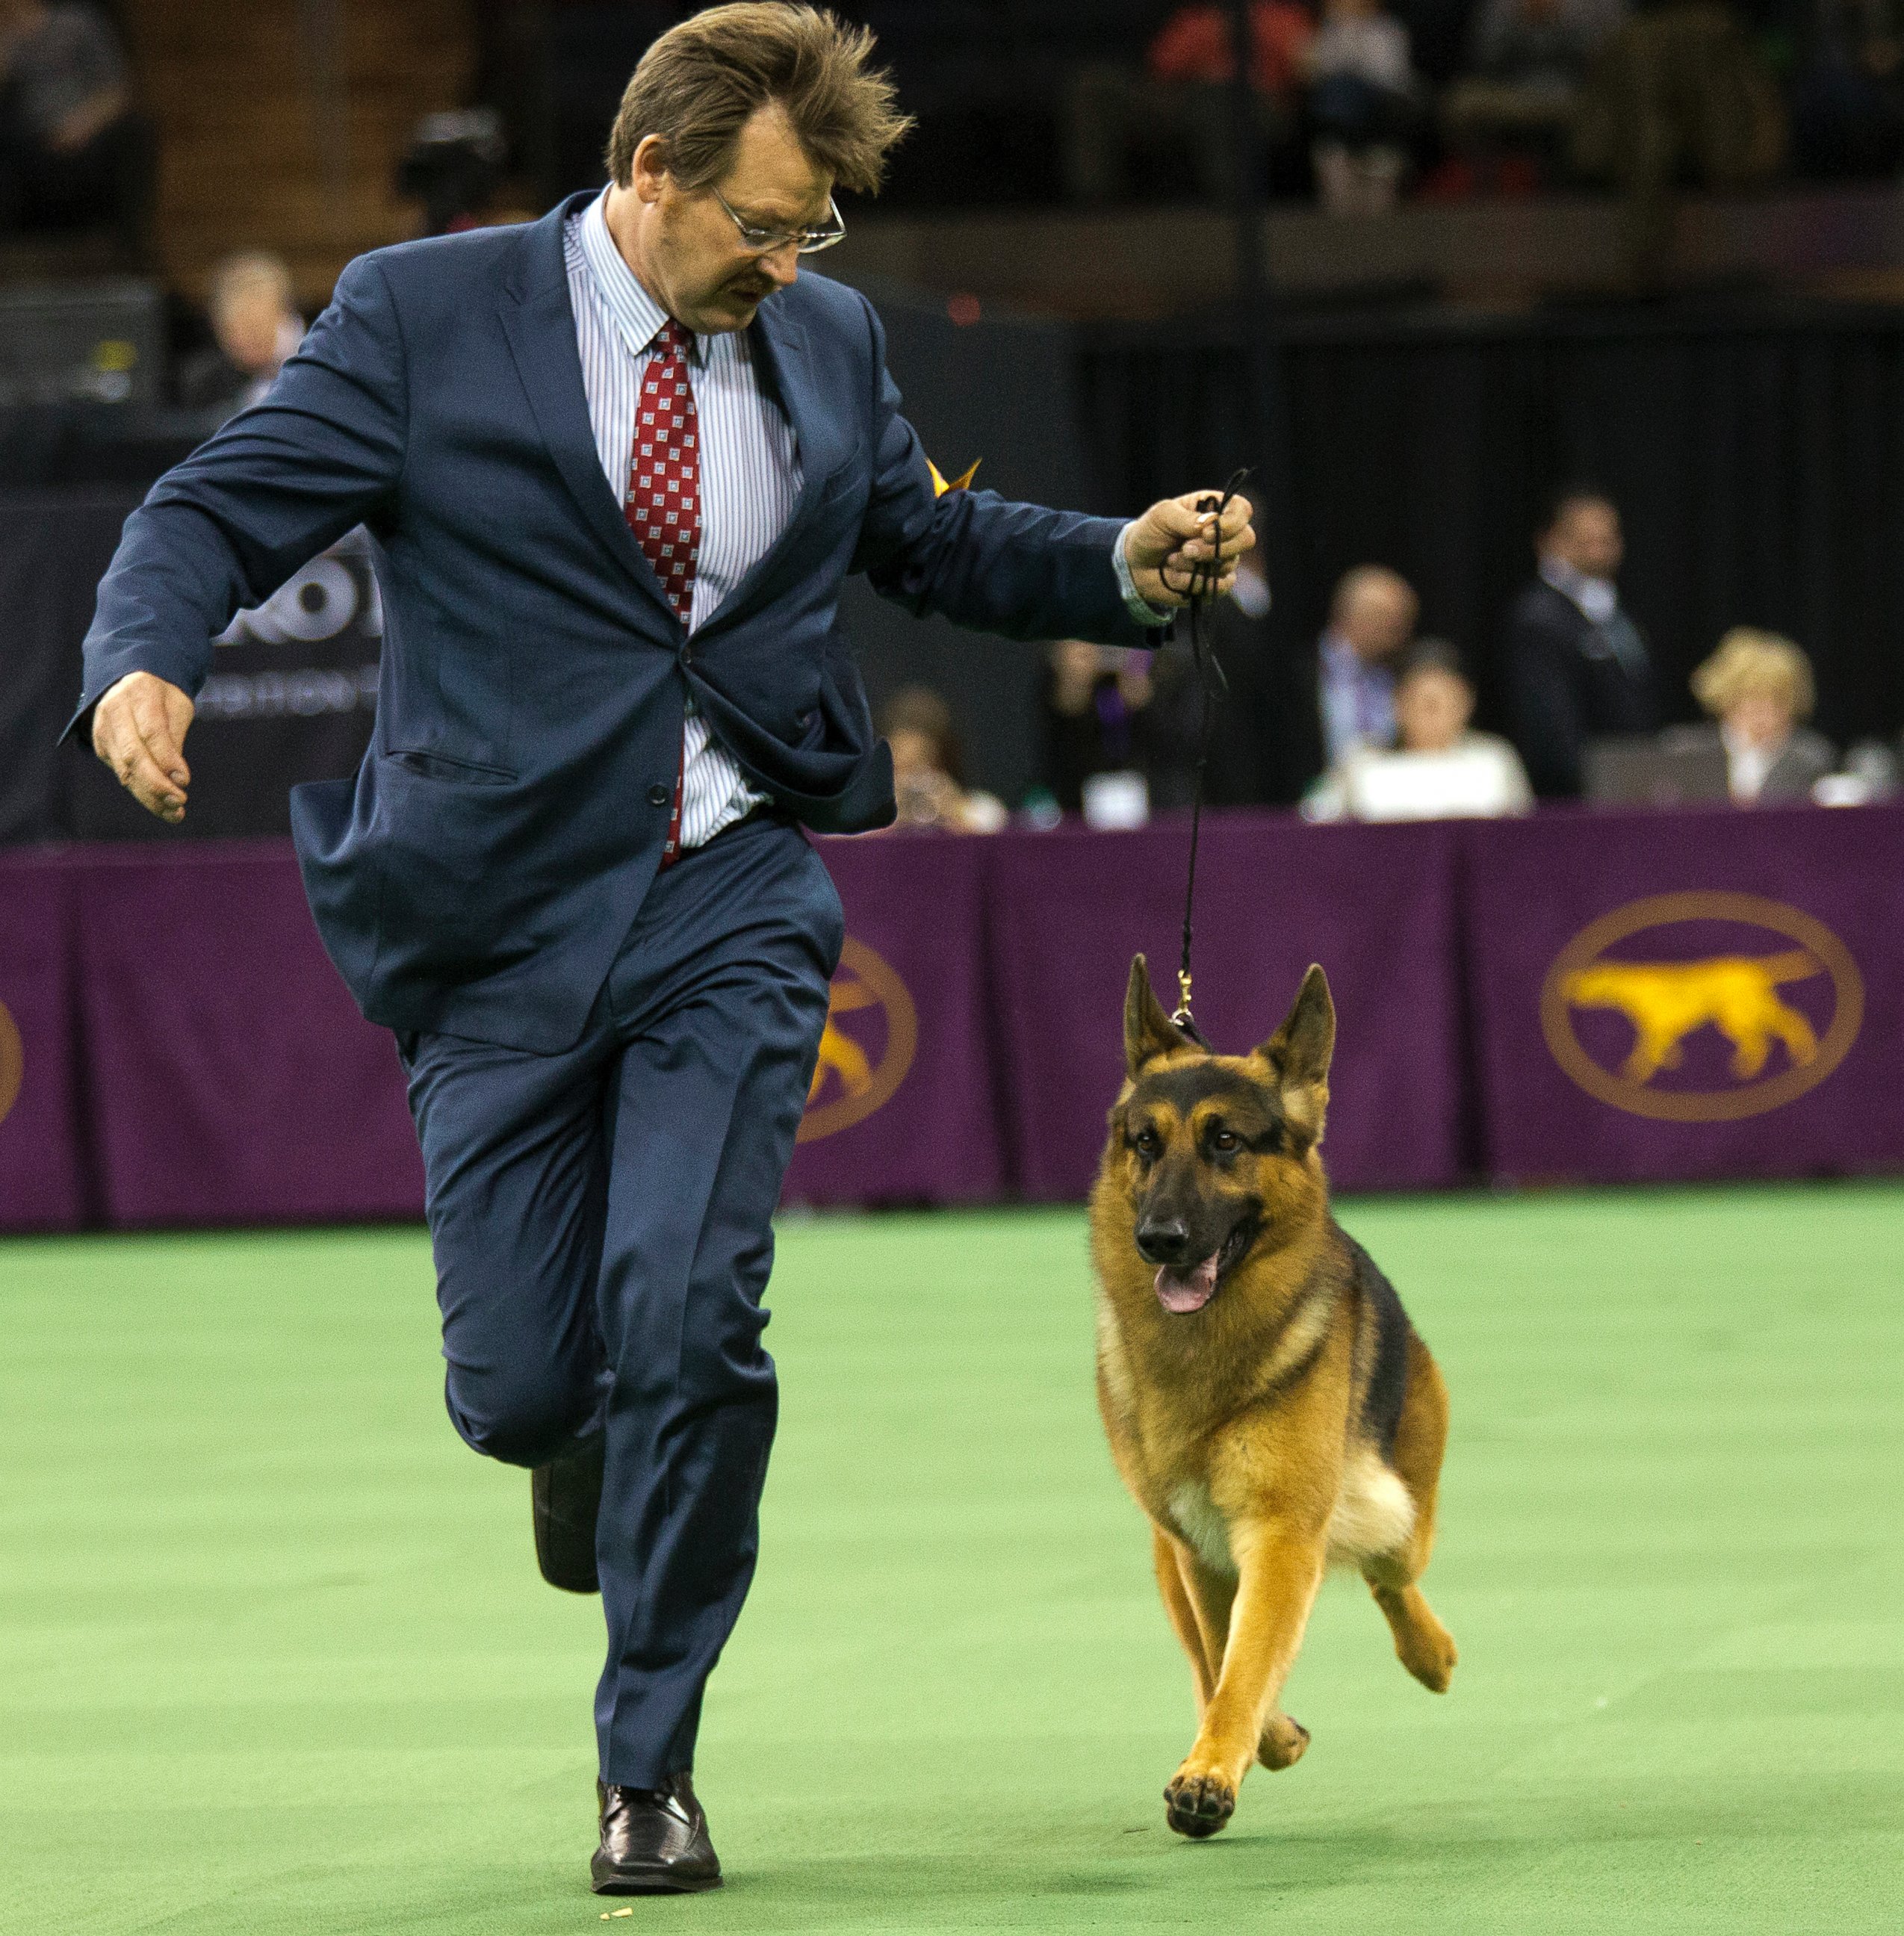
(1375, 905)
(44, 1185)
(1577, 997)
(229, 1076)
(1685, 997)
(905, 1107)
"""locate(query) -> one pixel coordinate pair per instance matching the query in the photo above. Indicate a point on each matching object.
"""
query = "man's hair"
(1569, 498)
(1432, 655)
(1361, 578)
(699, 83)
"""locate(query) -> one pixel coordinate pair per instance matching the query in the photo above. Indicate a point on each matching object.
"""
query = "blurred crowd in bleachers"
(1093, 101)
(1109, 102)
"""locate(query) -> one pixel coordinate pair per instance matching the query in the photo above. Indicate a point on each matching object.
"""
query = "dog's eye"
(1225, 1140)
(1146, 1144)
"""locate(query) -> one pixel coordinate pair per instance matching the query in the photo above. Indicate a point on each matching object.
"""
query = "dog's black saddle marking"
(1382, 1403)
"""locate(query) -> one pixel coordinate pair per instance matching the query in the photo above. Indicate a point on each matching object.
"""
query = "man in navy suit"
(616, 463)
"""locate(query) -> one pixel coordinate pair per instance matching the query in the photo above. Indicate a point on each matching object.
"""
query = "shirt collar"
(1345, 662)
(1598, 598)
(636, 315)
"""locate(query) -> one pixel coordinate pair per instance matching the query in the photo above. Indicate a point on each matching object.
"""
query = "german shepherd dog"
(1269, 1405)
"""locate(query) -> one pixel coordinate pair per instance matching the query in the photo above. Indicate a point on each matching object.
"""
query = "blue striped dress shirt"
(749, 468)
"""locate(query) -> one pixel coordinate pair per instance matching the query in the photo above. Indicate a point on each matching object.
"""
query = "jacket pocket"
(441, 767)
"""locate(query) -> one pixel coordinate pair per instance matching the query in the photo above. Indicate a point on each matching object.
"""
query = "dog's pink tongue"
(1181, 1292)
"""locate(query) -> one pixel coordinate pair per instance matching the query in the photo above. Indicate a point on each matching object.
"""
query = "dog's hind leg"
(1423, 1645)
(1173, 1564)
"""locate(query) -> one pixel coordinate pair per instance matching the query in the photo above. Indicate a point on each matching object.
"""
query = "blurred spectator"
(1363, 97)
(1757, 687)
(1847, 99)
(927, 772)
(255, 326)
(1109, 710)
(1576, 664)
(72, 153)
(1183, 94)
(1519, 93)
(1371, 619)
(1679, 89)
(1439, 768)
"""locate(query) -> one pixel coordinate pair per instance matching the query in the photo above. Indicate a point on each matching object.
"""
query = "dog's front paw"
(1198, 1804)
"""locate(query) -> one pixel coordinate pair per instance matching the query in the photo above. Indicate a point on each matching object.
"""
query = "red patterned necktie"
(664, 496)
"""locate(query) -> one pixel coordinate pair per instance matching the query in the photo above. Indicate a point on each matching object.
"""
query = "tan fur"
(1237, 1427)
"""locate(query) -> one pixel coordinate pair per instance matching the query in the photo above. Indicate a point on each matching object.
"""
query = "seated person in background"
(1518, 95)
(917, 725)
(1109, 710)
(1363, 106)
(72, 155)
(1371, 618)
(1577, 667)
(256, 327)
(1182, 94)
(1757, 687)
(1439, 769)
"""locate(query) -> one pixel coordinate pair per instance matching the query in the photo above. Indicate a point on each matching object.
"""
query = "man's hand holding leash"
(1167, 547)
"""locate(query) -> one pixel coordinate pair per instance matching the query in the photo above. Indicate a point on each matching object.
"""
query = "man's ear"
(1298, 1055)
(1148, 1032)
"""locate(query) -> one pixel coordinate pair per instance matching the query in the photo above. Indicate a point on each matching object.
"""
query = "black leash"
(1201, 589)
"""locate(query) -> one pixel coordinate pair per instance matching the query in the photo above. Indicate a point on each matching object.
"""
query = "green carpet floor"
(273, 1657)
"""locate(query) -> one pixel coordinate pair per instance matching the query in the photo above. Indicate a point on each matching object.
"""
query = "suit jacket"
(480, 871)
(1566, 684)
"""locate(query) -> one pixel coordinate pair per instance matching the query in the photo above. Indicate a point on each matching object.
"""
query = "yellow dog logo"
(1667, 1002)
(859, 1066)
(13, 1061)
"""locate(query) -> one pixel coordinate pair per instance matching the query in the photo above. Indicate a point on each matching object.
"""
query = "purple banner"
(1602, 998)
(42, 1177)
(904, 1108)
(1375, 905)
(1678, 998)
(232, 1079)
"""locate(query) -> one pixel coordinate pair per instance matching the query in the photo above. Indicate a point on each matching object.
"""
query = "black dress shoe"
(654, 1842)
(567, 1497)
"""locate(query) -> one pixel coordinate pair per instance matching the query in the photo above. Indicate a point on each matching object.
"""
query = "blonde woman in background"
(1758, 688)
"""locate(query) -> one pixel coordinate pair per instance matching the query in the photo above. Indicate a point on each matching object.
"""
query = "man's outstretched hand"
(1174, 538)
(138, 729)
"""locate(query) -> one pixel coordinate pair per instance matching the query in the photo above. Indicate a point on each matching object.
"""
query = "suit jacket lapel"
(540, 325)
(784, 360)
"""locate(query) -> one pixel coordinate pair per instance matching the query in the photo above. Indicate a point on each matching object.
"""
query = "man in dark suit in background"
(616, 464)
(1577, 667)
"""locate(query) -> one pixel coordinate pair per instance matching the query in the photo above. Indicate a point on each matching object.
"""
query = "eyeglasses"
(771, 241)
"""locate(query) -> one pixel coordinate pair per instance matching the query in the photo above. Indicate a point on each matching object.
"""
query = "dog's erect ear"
(1148, 1031)
(1299, 1052)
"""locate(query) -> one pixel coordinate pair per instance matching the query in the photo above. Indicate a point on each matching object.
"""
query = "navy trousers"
(601, 1223)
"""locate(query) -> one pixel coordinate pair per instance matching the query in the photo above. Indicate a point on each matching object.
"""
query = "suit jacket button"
(659, 795)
